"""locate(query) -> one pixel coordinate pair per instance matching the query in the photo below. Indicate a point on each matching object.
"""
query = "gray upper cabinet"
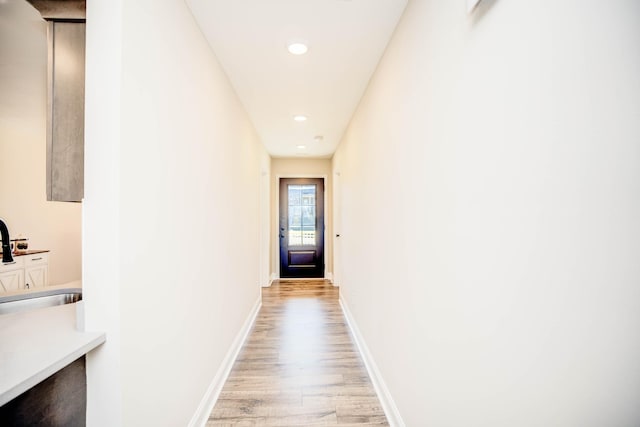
(65, 112)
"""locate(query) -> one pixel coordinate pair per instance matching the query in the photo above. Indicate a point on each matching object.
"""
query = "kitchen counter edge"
(38, 343)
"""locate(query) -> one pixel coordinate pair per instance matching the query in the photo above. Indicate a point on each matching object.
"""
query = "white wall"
(293, 168)
(490, 196)
(172, 213)
(23, 140)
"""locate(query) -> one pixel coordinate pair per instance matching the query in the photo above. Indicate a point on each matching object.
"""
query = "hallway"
(482, 223)
(299, 365)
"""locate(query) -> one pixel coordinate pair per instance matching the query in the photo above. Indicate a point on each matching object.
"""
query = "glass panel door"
(301, 231)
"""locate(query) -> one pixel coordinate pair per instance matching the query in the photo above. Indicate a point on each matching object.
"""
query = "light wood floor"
(299, 366)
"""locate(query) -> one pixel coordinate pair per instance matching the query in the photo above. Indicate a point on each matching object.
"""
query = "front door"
(301, 227)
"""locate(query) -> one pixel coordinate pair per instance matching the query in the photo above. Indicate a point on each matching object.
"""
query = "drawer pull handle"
(36, 259)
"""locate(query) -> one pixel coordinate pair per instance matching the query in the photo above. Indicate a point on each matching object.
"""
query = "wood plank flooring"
(299, 366)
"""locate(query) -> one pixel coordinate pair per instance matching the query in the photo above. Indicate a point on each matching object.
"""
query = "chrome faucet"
(6, 246)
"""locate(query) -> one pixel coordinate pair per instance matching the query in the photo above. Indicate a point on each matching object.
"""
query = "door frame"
(336, 221)
(276, 243)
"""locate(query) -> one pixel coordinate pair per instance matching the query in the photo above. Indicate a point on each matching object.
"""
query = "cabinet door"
(65, 118)
(11, 280)
(36, 276)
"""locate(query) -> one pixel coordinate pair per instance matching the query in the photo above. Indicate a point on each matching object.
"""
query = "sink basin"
(38, 299)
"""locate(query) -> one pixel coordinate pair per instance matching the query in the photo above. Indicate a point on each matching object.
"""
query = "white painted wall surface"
(292, 168)
(23, 141)
(174, 172)
(101, 242)
(490, 196)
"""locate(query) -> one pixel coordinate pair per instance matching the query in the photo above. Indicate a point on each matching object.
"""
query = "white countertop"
(36, 344)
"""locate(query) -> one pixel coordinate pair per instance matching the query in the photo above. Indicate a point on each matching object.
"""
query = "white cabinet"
(25, 272)
(36, 271)
(11, 280)
(12, 275)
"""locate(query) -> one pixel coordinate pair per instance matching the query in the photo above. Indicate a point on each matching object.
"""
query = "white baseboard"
(207, 403)
(332, 278)
(388, 405)
(272, 277)
(329, 276)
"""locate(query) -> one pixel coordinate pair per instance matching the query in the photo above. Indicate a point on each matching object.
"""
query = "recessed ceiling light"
(301, 147)
(299, 117)
(297, 48)
(318, 138)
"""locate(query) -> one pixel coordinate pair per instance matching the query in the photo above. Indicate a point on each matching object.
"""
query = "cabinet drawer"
(18, 262)
(42, 258)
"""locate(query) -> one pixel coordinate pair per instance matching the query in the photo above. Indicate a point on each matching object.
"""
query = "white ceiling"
(346, 39)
